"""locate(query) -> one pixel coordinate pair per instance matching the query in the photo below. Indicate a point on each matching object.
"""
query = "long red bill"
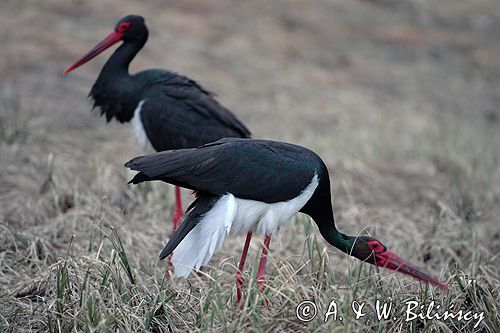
(392, 261)
(112, 38)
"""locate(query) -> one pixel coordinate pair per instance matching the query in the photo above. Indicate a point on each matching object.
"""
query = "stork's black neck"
(326, 224)
(319, 207)
(118, 63)
(116, 92)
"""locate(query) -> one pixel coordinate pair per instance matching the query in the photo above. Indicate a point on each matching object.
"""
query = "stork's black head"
(131, 29)
(372, 251)
(366, 248)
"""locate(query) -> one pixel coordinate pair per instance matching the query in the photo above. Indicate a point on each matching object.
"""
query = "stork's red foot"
(262, 287)
(261, 277)
(260, 273)
(178, 208)
(239, 274)
(239, 284)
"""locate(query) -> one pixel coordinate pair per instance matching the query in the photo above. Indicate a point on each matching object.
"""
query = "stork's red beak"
(112, 38)
(388, 259)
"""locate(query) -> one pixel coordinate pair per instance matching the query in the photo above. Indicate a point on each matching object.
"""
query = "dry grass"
(400, 98)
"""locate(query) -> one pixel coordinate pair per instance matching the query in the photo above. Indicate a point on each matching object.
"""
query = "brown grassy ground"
(401, 98)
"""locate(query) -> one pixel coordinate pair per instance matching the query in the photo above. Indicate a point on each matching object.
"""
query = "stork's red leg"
(262, 265)
(239, 276)
(176, 218)
(178, 208)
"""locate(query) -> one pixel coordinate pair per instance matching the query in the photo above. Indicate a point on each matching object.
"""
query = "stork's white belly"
(236, 215)
(267, 218)
(138, 129)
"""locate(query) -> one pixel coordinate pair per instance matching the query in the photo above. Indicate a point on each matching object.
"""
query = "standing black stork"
(247, 185)
(167, 110)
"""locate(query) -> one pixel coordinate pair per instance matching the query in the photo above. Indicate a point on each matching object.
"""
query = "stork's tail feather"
(169, 166)
(139, 178)
(196, 210)
(202, 233)
(153, 164)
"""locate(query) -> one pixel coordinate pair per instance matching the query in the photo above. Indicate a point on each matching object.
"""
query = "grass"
(107, 291)
(407, 126)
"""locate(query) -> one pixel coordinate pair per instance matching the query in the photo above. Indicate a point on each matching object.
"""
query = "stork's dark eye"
(375, 246)
(123, 26)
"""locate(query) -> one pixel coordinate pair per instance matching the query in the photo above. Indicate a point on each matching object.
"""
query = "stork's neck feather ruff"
(115, 90)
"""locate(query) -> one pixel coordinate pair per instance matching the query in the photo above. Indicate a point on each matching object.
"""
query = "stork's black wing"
(179, 113)
(260, 170)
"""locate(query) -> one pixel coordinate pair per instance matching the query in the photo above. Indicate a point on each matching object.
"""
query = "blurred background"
(400, 98)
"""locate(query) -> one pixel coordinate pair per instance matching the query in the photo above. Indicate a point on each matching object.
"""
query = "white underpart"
(138, 129)
(240, 215)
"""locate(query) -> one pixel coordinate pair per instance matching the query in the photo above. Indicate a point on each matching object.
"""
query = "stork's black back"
(261, 170)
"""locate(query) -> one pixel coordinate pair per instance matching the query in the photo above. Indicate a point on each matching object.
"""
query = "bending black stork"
(167, 110)
(247, 185)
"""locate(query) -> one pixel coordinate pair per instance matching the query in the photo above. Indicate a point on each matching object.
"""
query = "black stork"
(248, 185)
(167, 110)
